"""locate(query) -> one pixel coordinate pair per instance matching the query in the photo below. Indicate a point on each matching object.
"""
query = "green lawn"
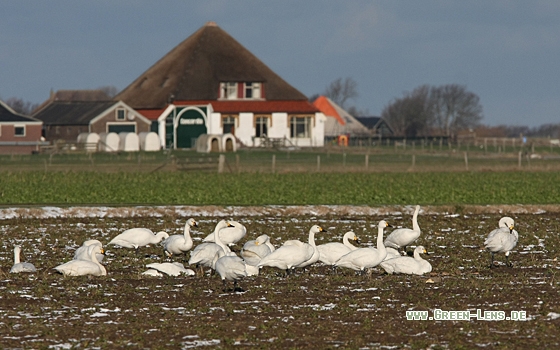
(194, 188)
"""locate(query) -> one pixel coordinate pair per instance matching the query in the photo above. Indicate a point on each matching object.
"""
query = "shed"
(129, 142)
(209, 143)
(108, 142)
(228, 143)
(149, 141)
(89, 141)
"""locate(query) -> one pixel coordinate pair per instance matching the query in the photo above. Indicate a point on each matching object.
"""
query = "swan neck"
(312, 238)
(415, 225)
(187, 232)
(16, 256)
(380, 245)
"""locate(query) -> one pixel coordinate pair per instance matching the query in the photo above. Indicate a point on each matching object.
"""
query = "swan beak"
(256, 242)
(511, 229)
(426, 252)
(102, 251)
(389, 225)
(195, 224)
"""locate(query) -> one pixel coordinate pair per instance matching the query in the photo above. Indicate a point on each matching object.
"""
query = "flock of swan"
(214, 252)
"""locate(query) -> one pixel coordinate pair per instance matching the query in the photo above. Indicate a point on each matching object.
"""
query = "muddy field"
(314, 308)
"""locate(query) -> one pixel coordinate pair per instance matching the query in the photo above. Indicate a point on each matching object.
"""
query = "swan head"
(508, 222)
(421, 250)
(317, 229)
(262, 239)
(192, 222)
(17, 249)
(383, 224)
(162, 234)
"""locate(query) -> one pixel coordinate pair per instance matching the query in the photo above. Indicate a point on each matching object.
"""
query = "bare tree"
(454, 108)
(340, 91)
(110, 90)
(410, 115)
(20, 106)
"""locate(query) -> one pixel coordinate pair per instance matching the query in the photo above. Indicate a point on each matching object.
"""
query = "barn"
(210, 84)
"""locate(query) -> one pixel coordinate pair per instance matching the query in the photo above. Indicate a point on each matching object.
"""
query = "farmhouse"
(18, 133)
(211, 85)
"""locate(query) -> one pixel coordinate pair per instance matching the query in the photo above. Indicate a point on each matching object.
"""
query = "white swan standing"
(331, 252)
(21, 266)
(204, 254)
(253, 251)
(363, 258)
(230, 267)
(502, 240)
(138, 237)
(229, 235)
(408, 265)
(180, 244)
(294, 253)
(171, 269)
(84, 267)
(402, 237)
(82, 252)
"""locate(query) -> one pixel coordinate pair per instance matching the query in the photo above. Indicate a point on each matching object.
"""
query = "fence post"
(367, 161)
(413, 160)
(221, 162)
(466, 161)
(237, 163)
(273, 163)
(318, 163)
(519, 160)
(343, 159)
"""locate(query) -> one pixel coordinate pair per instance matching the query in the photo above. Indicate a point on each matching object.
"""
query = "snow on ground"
(269, 210)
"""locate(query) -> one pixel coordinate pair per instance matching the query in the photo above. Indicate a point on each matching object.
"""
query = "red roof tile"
(255, 106)
(323, 104)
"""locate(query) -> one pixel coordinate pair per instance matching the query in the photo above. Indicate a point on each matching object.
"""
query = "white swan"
(230, 267)
(229, 235)
(502, 240)
(408, 265)
(82, 252)
(363, 258)
(204, 254)
(294, 253)
(84, 267)
(392, 253)
(180, 244)
(331, 252)
(171, 269)
(138, 237)
(21, 266)
(152, 272)
(253, 251)
(402, 237)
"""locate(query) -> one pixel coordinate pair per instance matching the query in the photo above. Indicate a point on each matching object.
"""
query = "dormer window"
(121, 114)
(241, 91)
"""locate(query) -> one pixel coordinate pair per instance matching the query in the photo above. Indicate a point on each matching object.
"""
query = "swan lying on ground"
(408, 265)
(204, 254)
(171, 269)
(82, 252)
(231, 268)
(253, 251)
(294, 253)
(180, 244)
(229, 235)
(363, 258)
(138, 237)
(392, 253)
(502, 240)
(84, 267)
(21, 266)
(329, 253)
(402, 237)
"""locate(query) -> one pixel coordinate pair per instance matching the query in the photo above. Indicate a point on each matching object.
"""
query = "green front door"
(185, 125)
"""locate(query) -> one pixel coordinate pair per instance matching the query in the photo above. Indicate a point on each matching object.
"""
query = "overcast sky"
(506, 52)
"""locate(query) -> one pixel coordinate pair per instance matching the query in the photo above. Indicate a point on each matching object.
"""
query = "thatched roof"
(194, 69)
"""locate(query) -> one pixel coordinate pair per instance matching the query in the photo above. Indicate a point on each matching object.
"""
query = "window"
(19, 130)
(261, 126)
(228, 124)
(300, 127)
(229, 91)
(238, 90)
(121, 114)
(252, 90)
(118, 128)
